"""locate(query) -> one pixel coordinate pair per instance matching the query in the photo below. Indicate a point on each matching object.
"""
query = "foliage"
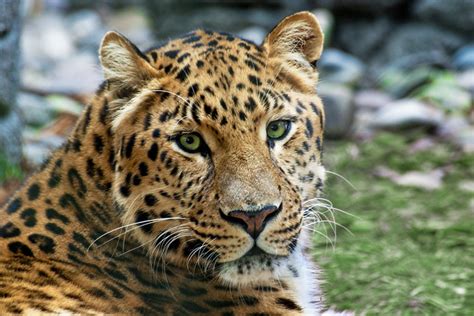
(9, 171)
(411, 250)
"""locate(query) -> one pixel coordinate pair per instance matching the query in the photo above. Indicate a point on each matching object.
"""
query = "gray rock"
(452, 126)
(339, 67)
(254, 34)
(407, 113)
(466, 80)
(358, 5)
(339, 108)
(370, 35)
(465, 139)
(415, 44)
(46, 40)
(37, 149)
(456, 14)
(400, 83)
(464, 57)
(86, 28)
(371, 99)
(34, 109)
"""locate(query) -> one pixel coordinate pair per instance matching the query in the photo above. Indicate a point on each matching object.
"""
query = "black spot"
(242, 116)
(104, 112)
(81, 239)
(116, 274)
(68, 200)
(165, 116)
(14, 206)
(147, 121)
(288, 304)
(154, 55)
(98, 144)
(77, 182)
(192, 90)
(183, 73)
(9, 230)
(129, 147)
(55, 177)
(125, 190)
(252, 65)
(153, 151)
(255, 80)
(172, 53)
(150, 199)
(143, 168)
(45, 243)
(199, 63)
(193, 307)
(33, 191)
(156, 133)
(183, 57)
(53, 214)
(192, 39)
(309, 128)
(142, 217)
(29, 217)
(20, 248)
(55, 229)
(136, 180)
(250, 104)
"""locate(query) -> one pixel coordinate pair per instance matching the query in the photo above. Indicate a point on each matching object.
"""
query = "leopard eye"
(277, 130)
(190, 142)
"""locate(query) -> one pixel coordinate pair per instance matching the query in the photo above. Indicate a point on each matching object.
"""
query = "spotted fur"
(121, 220)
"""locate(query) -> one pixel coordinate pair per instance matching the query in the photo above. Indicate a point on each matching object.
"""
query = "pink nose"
(252, 221)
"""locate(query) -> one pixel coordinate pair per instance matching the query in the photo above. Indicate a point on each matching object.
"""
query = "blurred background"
(397, 80)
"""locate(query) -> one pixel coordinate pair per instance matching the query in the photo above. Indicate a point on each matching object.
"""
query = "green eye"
(277, 130)
(190, 142)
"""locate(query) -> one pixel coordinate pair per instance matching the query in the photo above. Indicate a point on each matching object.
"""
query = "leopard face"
(218, 144)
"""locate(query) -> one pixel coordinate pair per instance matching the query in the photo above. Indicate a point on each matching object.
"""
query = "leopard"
(181, 188)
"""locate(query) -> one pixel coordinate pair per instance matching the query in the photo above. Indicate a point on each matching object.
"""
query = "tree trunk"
(10, 123)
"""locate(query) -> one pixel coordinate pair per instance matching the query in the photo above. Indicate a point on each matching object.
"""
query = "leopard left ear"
(123, 63)
(296, 43)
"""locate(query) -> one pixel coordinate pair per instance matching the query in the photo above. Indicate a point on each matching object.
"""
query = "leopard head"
(218, 143)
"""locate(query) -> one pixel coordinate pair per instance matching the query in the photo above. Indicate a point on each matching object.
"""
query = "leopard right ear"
(123, 63)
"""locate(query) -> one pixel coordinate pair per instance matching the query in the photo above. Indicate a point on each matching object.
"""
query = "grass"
(411, 251)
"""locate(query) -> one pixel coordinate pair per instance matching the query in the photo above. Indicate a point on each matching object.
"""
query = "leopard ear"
(123, 63)
(296, 42)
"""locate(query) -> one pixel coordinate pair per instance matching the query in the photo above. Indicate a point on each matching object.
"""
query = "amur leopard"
(181, 189)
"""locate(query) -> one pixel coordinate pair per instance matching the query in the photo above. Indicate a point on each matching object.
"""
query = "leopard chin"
(256, 267)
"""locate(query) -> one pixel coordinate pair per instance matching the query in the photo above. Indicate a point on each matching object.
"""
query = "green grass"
(9, 171)
(411, 251)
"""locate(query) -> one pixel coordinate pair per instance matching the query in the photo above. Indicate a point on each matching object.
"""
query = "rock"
(86, 28)
(446, 93)
(467, 186)
(465, 139)
(466, 80)
(464, 57)
(36, 150)
(45, 40)
(133, 23)
(339, 108)
(400, 83)
(34, 109)
(62, 104)
(453, 126)
(370, 33)
(455, 14)
(326, 21)
(430, 180)
(414, 44)
(339, 67)
(366, 6)
(407, 113)
(78, 74)
(371, 99)
(254, 34)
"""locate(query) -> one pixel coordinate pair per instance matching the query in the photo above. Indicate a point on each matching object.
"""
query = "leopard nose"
(253, 221)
